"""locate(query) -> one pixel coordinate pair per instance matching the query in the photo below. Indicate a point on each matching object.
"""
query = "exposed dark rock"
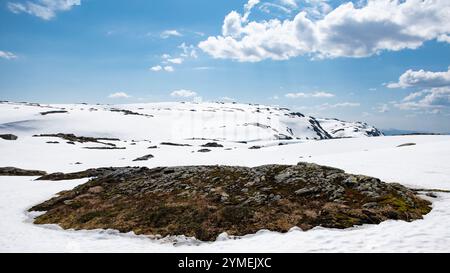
(81, 139)
(8, 137)
(52, 142)
(174, 144)
(407, 144)
(153, 147)
(255, 147)
(212, 145)
(128, 112)
(11, 171)
(105, 148)
(204, 201)
(204, 151)
(77, 175)
(144, 158)
(53, 112)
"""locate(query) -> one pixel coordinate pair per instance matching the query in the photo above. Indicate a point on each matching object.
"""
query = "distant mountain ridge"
(177, 121)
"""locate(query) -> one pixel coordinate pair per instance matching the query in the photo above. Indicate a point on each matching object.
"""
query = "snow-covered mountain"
(344, 129)
(176, 121)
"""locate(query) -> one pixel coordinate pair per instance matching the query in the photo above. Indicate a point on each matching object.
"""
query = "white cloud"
(188, 51)
(290, 3)
(228, 99)
(415, 95)
(203, 68)
(345, 104)
(423, 79)
(119, 95)
(327, 106)
(269, 7)
(169, 68)
(156, 68)
(444, 38)
(183, 93)
(434, 96)
(309, 95)
(349, 30)
(170, 33)
(176, 60)
(433, 99)
(383, 108)
(44, 9)
(7, 55)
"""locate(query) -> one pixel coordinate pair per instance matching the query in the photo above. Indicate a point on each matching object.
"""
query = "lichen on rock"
(205, 201)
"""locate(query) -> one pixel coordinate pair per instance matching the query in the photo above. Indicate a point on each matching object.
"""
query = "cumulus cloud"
(434, 96)
(423, 79)
(309, 95)
(444, 38)
(170, 33)
(175, 60)
(158, 68)
(119, 95)
(7, 55)
(183, 93)
(349, 30)
(290, 3)
(44, 9)
(169, 68)
(433, 99)
(188, 51)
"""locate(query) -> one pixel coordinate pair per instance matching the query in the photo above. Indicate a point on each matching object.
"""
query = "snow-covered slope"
(344, 129)
(423, 165)
(175, 122)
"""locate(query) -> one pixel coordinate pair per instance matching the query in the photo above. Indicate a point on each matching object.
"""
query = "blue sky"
(385, 62)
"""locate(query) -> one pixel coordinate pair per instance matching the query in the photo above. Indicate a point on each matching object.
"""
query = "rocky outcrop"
(204, 201)
(212, 145)
(174, 144)
(144, 158)
(11, 171)
(8, 137)
(129, 113)
(77, 175)
(81, 139)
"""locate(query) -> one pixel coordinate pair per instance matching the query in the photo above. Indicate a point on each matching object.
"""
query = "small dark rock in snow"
(153, 147)
(212, 145)
(174, 144)
(255, 147)
(105, 148)
(144, 158)
(53, 112)
(204, 151)
(432, 195)
(8, 137)
(407, 144)
(52, 142)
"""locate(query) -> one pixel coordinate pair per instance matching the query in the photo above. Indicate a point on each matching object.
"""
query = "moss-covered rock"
(204, 201)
